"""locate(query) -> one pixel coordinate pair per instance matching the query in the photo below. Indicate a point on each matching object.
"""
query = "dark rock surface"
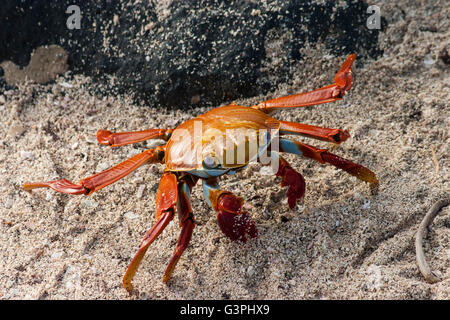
(181, 53)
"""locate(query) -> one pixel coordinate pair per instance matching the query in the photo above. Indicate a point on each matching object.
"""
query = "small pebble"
(149, 26)
(116, 20)
(66, 85)
(28, 155)
(171, 122)
(102, 167)
(72, 277)
(438, 273)
(2, 99)
(138, 180)
(131, 215)
(89, 204)
(428, 60)
(266, 171)
(90, 139)
(247, 206)
(140, 191)
(9, 203)
(48, 196)
(366, 205)
(57, 254)
(56, 90)
(250, 271)
(16, 130)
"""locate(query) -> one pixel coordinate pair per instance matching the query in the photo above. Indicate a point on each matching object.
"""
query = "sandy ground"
(341, 243)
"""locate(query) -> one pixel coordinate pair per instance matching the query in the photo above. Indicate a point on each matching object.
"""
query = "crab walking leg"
(102, 179)
(234, 222)
(323, 156)
(290, 178)
(342, 83)
(166, 201)
(319, 133)
(187, 224)
(122, 138)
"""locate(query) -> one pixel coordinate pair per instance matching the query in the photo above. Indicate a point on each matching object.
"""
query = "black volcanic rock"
(173, 52)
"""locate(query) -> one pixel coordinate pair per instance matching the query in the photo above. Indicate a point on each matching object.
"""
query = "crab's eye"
(210, 162)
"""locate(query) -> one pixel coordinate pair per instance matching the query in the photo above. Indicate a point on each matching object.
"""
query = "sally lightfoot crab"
(220, 142)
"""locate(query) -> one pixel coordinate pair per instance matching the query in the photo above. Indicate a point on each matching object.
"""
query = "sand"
(340, 243)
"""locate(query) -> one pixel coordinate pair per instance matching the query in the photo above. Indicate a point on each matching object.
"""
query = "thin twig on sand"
(420, 256)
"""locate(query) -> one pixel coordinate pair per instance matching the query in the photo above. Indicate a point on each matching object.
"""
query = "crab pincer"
(292, 179)
(235, 223)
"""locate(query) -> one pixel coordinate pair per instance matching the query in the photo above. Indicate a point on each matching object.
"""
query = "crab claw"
(234, 223)
(344, 77)
(293, 180)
